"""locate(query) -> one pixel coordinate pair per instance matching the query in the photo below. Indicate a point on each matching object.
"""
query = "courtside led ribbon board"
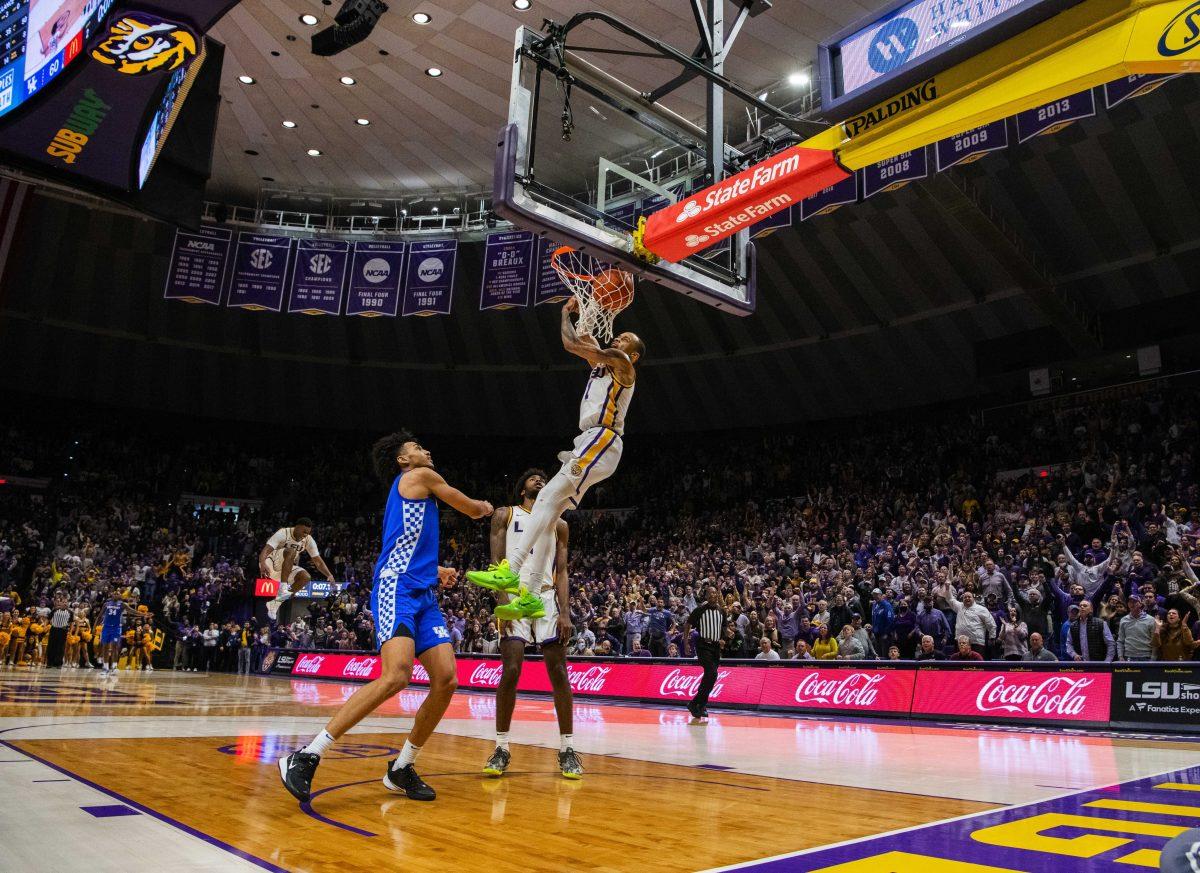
(429, 278)
(894, 173)
(723, 209)
(198, 262)
(375, 276)
(318, 276)
(260, 269)
(971, 145)
(548, 288)
(830, 199)
(1128, 87)
(507, 262)
(1001, 695)
(1054, 116)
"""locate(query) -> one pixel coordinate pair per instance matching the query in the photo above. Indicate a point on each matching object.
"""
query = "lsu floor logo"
(1182, 33)
(140, 43)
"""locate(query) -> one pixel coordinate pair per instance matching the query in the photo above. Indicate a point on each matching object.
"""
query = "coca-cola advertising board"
(1013, 695)
(857, 689)
(736, 686)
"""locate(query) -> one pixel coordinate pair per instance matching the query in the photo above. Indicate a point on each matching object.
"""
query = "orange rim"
(562, 270)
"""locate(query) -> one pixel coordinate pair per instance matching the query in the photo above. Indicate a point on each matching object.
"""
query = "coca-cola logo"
(679, 683)
(359, 668)
(420, 674)
(486, 675)
(1054, 695)
(850, 689)
(310, 664)
(590, 680)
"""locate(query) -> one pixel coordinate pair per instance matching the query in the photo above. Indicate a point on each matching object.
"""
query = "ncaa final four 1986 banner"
(375, 276)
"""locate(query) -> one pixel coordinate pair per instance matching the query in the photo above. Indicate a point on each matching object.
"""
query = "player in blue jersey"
(114, 610)
(408, 621)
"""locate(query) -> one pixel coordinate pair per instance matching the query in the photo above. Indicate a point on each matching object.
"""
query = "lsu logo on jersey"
(140, 43)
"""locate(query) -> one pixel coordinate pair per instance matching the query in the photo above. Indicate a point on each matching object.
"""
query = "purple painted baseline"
(952, 840)
(213, 841)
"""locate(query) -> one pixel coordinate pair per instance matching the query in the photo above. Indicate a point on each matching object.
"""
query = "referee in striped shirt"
(709, 620)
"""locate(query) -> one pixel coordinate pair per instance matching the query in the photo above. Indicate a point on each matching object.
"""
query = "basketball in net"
(603, 291)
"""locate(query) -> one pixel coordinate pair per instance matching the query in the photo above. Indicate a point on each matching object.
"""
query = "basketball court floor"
(177, 772)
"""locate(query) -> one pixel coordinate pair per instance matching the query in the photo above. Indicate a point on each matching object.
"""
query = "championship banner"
(829, 199)
(547, 287)
(1157, 695)
(507, 261)
(971, 145)
(894, 173)
(1116, 93)
(318, 276)
(375, 276)
(772, 223)
(1053, 117)
(626, 214)
(1012, 695)
(429, 279)
(259, 272)
(196, 272)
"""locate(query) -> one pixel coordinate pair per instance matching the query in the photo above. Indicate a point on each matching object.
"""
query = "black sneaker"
(406, 781)
(570, 765)
(498, 763)
(296, 772)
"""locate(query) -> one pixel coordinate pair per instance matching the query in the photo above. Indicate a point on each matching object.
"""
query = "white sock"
(320, 744)
(408, 755)
(565, 742)
(502, 740)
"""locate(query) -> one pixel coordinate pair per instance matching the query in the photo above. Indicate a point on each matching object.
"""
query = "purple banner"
(318, 276)
(894, 173)
(831, 198)
(971, 145)
(259, 272)
(429, 278)
(1128, 87)
(548, 288)
(1122, 825)
(197, 269)
(1053, 117)
(375, 276)
(507, 260)
(772, 223)
(625, 215)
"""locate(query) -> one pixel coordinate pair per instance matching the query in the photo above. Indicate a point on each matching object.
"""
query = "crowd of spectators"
(1063, 529)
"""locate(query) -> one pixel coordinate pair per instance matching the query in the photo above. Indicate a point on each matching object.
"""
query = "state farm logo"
(592, 679)
(377, 270)
(1055, 695)
(430, 269)
(310, 664)
(679, 684)
(855, 689)
(486, 675)
(692, 240)
(358, 668)
(691, 210)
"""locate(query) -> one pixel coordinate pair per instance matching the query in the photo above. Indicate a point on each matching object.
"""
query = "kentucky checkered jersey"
(605, 401)
(410, 541)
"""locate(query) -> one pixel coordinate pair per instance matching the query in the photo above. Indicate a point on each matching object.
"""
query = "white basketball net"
(578, 272)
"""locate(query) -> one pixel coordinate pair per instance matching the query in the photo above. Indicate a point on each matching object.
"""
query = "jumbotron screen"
(39, 39)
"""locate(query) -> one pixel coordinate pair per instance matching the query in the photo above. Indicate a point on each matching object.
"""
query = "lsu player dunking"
(550, 629)
(280, 560)
(594, 457)
(408, 620)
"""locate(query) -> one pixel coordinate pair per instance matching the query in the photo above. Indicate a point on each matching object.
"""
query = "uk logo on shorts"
(441, 633)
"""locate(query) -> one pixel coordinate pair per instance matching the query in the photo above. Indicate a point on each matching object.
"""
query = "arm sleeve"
(1110, 648)
(1071, 653)
(1121, 640)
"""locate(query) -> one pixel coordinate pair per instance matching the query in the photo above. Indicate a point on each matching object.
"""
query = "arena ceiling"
(430, 134)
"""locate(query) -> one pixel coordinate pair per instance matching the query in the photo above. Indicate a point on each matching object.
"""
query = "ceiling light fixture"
(290, 125)
(521, 5)
(363, 121)
(246, 80)
(433, 72)
(314, 153)
(421, 17)
(309, 19)
(348, 80)
(798, 80)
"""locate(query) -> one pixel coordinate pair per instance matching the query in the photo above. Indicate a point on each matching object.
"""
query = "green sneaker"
(497, 577)
(528, 605)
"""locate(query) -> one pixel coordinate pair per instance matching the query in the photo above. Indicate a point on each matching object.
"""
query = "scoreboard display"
(910, 41)
(39, 39)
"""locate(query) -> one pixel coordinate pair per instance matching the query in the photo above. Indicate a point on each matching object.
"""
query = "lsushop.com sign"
(976, 693)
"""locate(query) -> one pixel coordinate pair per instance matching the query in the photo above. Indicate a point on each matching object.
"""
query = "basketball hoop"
(603, 291)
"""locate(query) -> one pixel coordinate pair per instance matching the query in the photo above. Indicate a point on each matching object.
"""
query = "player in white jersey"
(594, 457)
(551, 630)
(280, 560)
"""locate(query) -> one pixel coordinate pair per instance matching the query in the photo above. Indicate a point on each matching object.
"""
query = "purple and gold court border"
(1113, 829)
